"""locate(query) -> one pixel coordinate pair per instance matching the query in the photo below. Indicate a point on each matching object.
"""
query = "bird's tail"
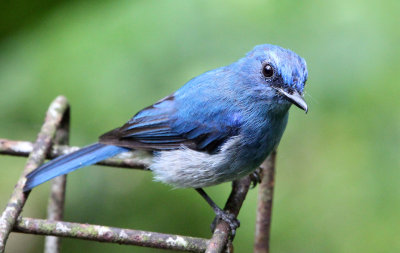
(64, 164)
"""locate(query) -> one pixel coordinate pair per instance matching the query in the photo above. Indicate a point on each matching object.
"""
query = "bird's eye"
(268, 70)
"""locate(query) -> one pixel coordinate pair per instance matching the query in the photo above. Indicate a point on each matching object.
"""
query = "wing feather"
(158, 127)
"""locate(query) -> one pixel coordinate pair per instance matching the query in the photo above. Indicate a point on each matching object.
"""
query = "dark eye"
(268, 70)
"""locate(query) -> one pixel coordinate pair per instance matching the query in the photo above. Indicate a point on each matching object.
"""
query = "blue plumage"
(218, 127)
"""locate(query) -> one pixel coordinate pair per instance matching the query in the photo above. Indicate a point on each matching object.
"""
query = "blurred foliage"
(337, 184)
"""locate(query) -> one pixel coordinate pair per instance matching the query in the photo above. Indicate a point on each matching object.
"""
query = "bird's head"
(276, 74)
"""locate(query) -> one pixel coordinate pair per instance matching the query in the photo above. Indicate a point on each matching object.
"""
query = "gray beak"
(296, 99)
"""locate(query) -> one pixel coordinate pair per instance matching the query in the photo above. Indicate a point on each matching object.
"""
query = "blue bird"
(218, 127)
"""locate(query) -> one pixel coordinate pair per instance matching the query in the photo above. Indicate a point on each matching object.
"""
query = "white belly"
(184, 168)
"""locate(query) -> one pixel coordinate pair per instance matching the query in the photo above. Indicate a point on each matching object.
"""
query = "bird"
(218, 127)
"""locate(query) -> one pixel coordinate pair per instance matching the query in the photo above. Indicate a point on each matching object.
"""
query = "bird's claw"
(255, 177)
(228, 218)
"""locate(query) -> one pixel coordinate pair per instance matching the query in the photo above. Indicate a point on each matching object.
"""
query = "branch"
(264, 208)
(110, 234)
(55, 207)
(222, 230)
(36, 158)
(134, 160)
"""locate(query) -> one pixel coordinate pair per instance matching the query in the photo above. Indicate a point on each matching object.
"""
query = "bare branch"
(36, 157)
(110, 234)
(221, 234)
(133, 160)
(264, 208)
(55, 208)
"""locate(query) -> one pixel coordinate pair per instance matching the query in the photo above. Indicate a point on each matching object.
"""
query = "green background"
(337, 184)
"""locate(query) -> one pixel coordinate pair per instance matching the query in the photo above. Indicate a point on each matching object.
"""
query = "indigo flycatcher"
(218, 127)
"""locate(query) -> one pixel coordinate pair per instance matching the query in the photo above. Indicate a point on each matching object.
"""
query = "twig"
(37, 156)
(220, 237)
(111, 234)
(132, 160)
(55, 211)
(55, 207)
(264, 207)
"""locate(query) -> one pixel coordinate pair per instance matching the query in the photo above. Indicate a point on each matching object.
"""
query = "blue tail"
(64, 164)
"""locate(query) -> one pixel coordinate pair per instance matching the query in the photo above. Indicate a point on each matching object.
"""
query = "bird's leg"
(220, 214)
(255, 177)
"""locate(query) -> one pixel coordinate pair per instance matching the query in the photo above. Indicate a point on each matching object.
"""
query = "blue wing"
(199, 116)
(163, 127)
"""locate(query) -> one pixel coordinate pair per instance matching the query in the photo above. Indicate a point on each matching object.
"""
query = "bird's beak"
(295, 98)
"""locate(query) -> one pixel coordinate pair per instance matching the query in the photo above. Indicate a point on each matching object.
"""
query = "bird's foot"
(228, 218)
(220, 214)
(255, 177)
